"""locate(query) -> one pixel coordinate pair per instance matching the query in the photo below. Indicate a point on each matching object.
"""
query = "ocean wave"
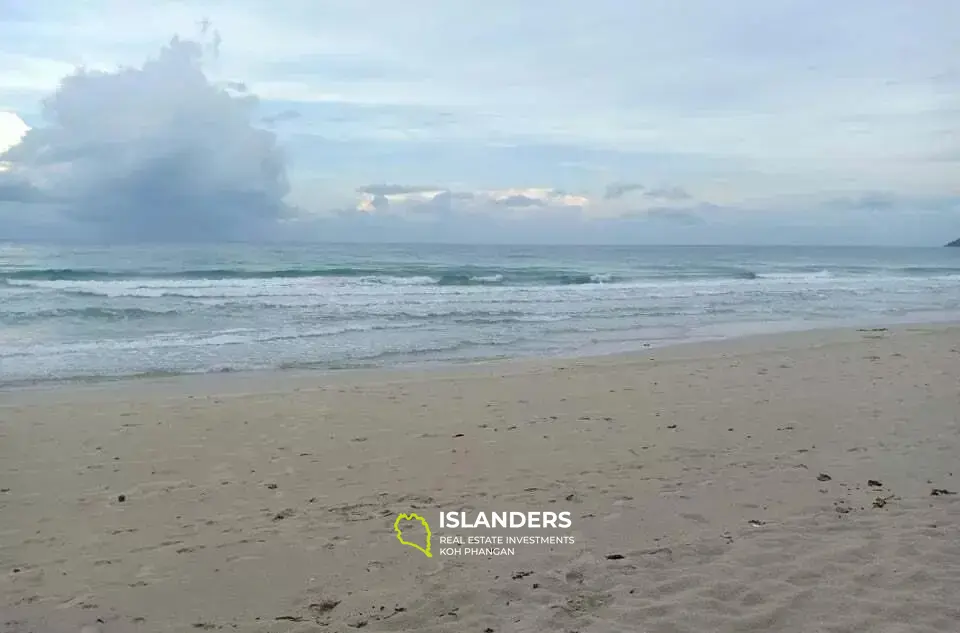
(386, 274)
(411, 355)
(929, 271)
(399, 275)
(466, 274)
(796, 275)
(236, 336)
(94, 313)
(406, 278)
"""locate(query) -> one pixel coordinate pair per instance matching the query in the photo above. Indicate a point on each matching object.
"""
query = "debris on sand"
(939, 492)
(323, 606)
(290, 618)
(283, 514)
(824, 477)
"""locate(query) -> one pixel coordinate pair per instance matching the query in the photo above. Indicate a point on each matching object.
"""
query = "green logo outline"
(426, 526)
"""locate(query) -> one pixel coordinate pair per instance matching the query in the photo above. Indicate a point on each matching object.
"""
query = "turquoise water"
(78, 313)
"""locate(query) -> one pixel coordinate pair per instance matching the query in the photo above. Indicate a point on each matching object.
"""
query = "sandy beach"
(797, 482)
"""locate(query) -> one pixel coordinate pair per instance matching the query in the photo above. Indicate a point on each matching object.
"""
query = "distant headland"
(955, 242)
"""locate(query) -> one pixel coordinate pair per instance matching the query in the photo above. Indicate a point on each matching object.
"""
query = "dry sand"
(719, 487)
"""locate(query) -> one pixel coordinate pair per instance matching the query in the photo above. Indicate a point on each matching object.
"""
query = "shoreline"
(759, 483)
(435, 367)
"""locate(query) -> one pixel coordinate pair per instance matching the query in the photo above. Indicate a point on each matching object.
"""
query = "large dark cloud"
(152, 153)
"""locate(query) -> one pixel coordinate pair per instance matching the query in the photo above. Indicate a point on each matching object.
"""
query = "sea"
(94, 313)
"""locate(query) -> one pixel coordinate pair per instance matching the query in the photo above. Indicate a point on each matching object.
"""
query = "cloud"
(403, 199)
(154, 153)
(480, 216)
(13, 189)
(12, 131)
(374, 203)
(618, 190)
(533, 197)
(445, 204)
(521, 200)
(389, 190)
(419, 200)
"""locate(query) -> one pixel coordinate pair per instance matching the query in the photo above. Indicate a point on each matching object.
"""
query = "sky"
(695, 122)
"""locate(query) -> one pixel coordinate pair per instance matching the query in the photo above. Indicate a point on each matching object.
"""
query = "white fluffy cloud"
(12, 131)
(154, 152)
(409, 200)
